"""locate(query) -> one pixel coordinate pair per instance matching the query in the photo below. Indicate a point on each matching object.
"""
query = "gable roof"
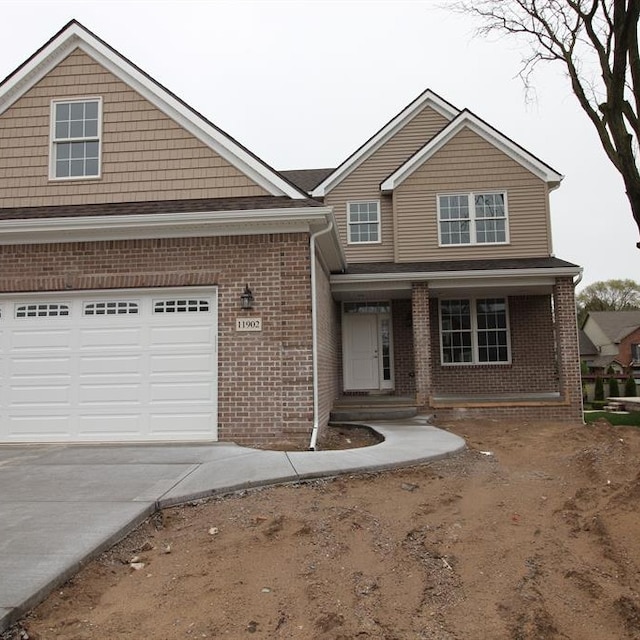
(467, 119)
(306, 179)
(586, 347)
(427, 98)
(75, 36)
(616, 325)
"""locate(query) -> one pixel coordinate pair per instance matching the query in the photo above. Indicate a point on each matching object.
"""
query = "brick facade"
(265, 385)
(422, 339)
(329, 346)
(404, 363)
(532, 368)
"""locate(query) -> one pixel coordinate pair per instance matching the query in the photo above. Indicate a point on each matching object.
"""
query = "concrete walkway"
(61, 505)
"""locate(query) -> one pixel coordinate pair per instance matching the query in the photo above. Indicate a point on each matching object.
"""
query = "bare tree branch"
(597, 42)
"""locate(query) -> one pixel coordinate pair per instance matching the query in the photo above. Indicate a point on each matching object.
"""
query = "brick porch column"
(421, 342)
(567, 345)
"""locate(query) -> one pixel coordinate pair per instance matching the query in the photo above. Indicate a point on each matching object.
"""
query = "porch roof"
(503, 276)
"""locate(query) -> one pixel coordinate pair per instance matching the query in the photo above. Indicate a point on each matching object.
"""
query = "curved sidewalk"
(60, 505)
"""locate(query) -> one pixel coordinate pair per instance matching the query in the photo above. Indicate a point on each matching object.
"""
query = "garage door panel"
(113, 364)
(40, 395)
(34, 428)
(112, 337)
(98, 426)
(107, 394)
(99, 371)
(177, 336)
(34, 368)
(193, 424)
(41, 340)
(176, 392)
(184, 363)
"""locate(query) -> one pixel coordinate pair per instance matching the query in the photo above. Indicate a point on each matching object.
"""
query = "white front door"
(367, 355)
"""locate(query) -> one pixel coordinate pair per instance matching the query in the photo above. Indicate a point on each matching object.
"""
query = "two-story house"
(158, 281)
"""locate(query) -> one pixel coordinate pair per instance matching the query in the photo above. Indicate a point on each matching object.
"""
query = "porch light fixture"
(246, 299)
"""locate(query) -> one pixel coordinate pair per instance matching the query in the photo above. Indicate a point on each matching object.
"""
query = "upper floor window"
(473, 218)
(635, 354)
(363, 222)
(474, 331)
(75, 138)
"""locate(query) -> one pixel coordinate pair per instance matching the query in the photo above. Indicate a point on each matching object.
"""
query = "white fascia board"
(76, 37)
(477, 277)
(491, 135)
(165, 225)
(388, 131)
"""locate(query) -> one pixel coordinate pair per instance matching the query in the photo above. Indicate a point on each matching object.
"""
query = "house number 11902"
(248, 324)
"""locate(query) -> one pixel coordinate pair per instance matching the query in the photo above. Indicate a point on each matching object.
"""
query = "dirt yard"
(533, 533)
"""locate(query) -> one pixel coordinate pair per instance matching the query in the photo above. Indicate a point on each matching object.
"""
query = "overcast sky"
(303, 84)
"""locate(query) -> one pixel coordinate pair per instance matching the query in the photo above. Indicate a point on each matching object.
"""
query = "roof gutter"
(431, 276)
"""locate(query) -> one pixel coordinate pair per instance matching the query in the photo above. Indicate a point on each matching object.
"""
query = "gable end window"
(473, 218)
(76, 128)
(363, 222)
(474, 331)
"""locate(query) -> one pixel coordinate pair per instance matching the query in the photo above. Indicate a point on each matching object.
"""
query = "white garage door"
(107, 366)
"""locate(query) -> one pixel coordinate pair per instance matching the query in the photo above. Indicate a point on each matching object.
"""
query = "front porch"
(469, 347)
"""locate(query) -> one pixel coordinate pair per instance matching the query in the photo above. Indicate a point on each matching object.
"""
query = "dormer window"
(76, 127)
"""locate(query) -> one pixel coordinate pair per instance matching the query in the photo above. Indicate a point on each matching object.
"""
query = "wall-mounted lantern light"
(246, 299)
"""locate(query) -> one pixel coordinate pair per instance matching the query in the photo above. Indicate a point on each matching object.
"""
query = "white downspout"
(314, 335)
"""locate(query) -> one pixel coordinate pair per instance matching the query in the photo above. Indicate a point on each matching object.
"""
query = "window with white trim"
(363, 222)
(473, 218)
(474, 331)
(76, 126)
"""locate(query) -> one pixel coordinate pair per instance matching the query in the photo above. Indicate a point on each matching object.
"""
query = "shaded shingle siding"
(364, 183)
(145, 156)
(469, 163)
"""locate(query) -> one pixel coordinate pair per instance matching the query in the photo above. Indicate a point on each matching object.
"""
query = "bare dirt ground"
(533, 533)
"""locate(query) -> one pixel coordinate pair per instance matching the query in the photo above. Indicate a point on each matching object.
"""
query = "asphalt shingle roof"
(616, 324)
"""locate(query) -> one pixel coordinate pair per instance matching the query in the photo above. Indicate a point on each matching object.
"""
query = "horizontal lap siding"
(364, 183)
(469, 163)
(145, 154)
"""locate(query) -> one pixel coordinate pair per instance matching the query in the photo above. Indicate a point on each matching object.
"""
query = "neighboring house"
(615, 336)
(158, 281)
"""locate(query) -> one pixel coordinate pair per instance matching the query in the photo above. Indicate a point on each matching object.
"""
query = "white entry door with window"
(109, 366)
(367, 346)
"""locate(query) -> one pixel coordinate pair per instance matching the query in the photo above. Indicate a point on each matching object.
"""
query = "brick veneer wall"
(265, 378)
(404, 364)
(544, 352)
(625, 356)
(533, 362)
(422, 341)
(329, 346)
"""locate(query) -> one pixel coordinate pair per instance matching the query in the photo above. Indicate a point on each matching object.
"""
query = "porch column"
(567, 345)
(421, 342)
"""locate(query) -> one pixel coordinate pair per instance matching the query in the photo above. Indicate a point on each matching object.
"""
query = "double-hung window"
(474, 331)
(363, 222)
(473, 218)
(76, 127)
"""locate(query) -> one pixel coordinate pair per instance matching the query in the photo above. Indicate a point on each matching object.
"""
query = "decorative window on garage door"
(43, 310)
(111, 308)
(181, 305)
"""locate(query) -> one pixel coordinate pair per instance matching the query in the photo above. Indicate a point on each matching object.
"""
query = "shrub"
(614, 387)
(598, 404)
(598, 393)
(630, 390)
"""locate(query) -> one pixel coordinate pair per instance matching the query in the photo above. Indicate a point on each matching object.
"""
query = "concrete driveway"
(61, 505)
